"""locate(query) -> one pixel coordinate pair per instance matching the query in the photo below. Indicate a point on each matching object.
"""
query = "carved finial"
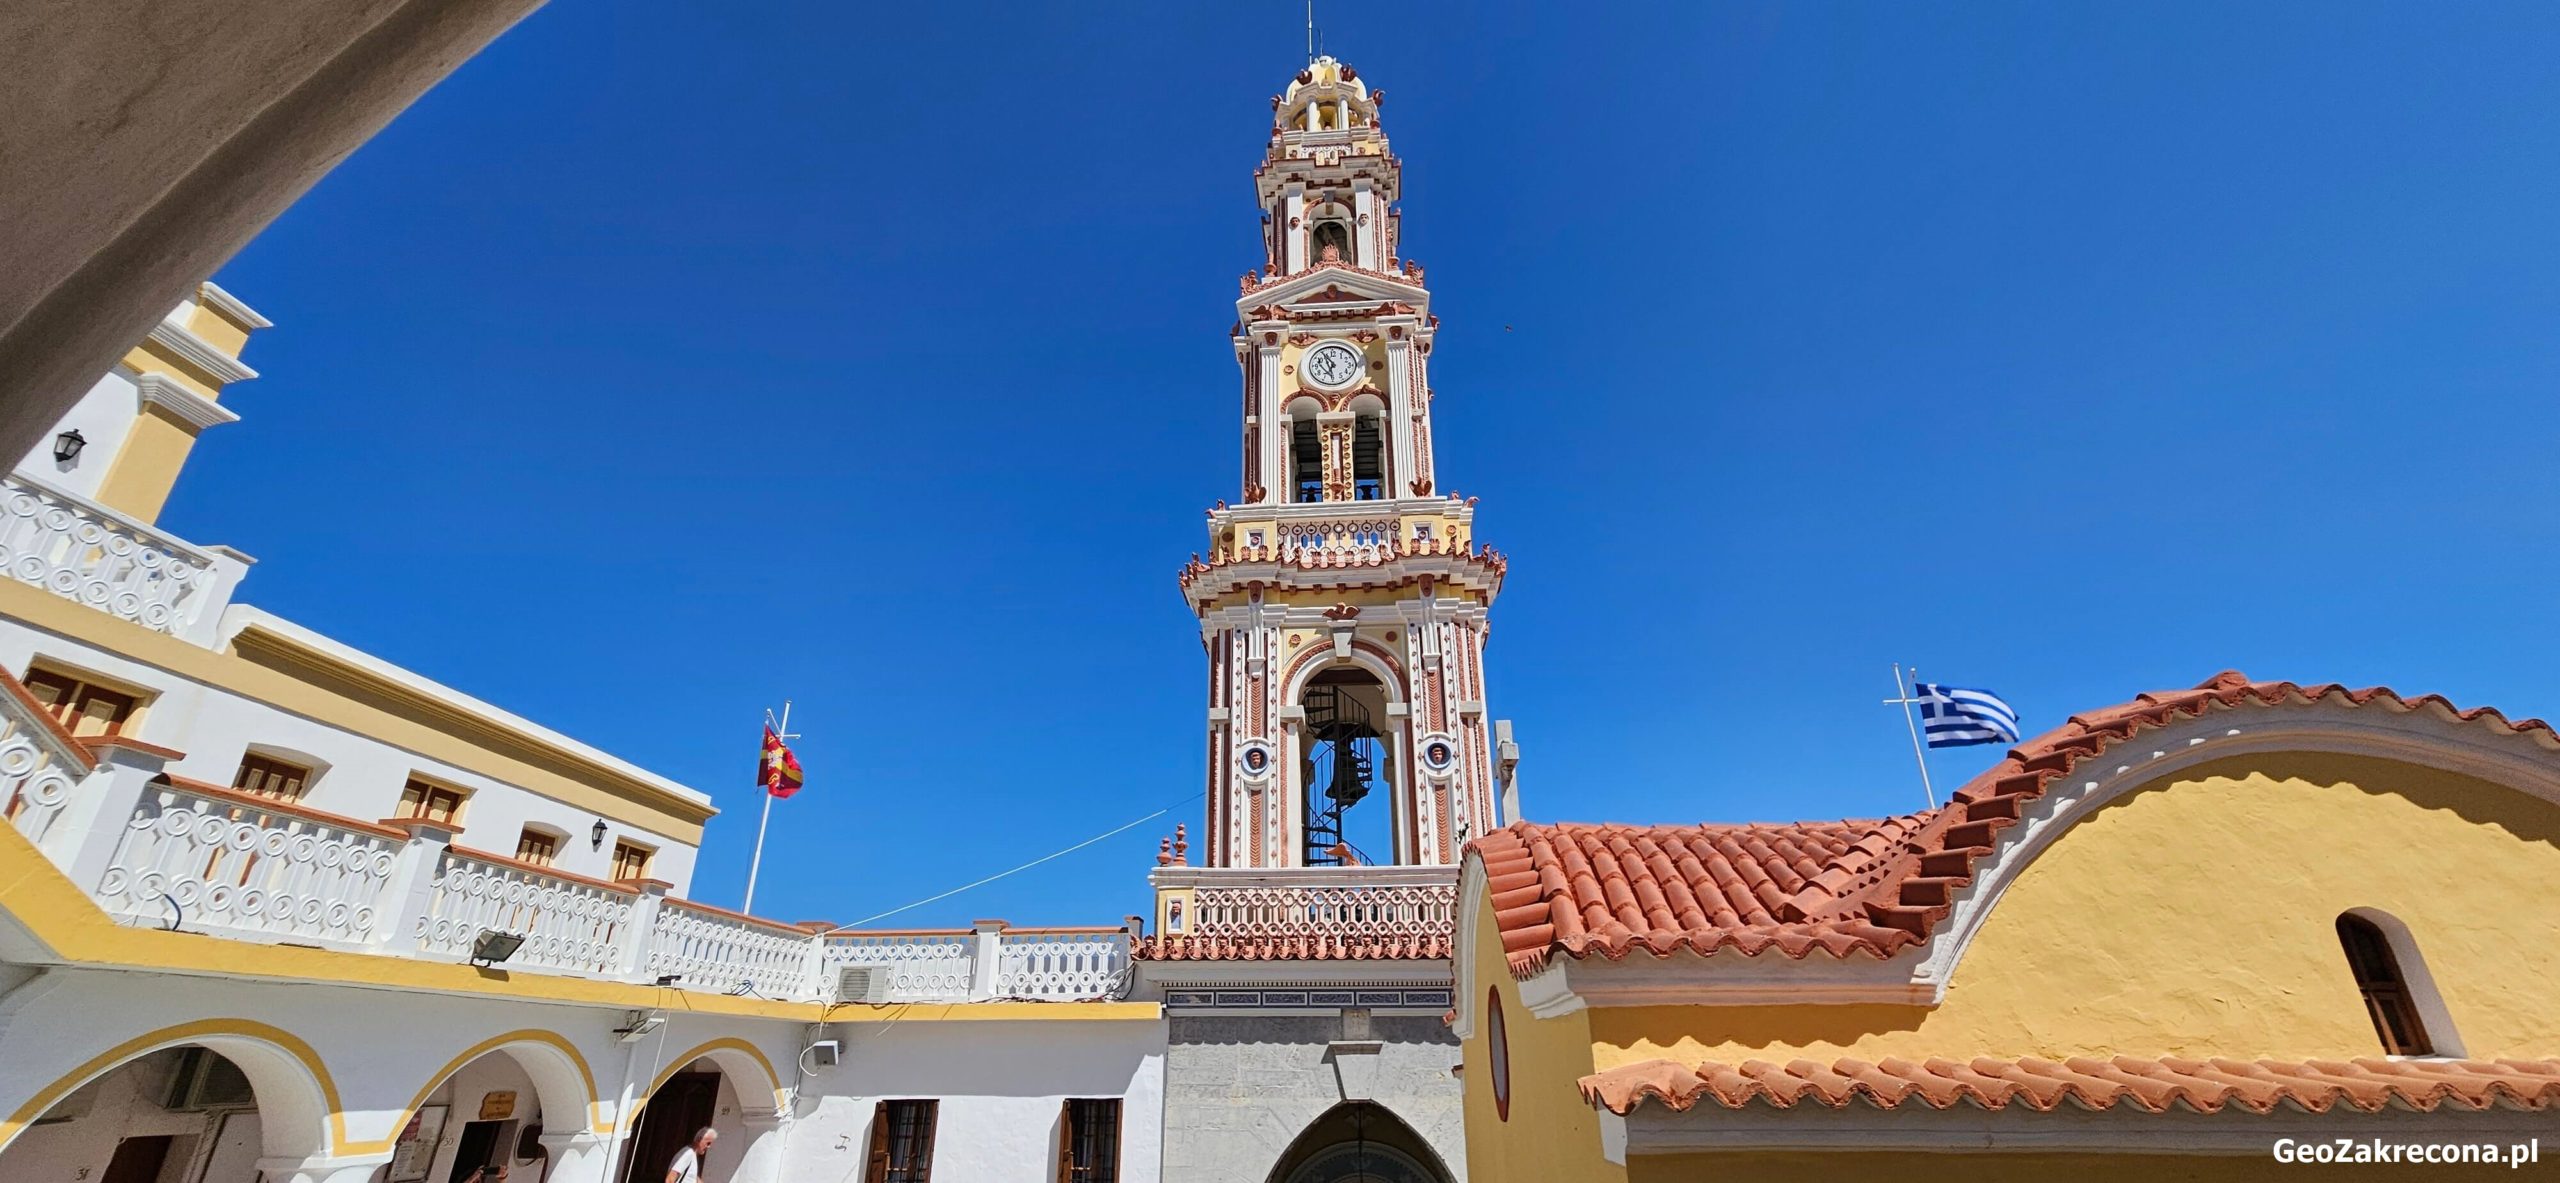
(1181, 845)
(1164, 852)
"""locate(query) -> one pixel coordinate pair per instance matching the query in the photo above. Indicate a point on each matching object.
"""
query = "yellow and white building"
(272, 907)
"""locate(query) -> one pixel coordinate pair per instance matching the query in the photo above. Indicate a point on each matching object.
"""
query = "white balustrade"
(923, 966)
(1364, 539)
(572, 925)
(1344, 903)
(1061, 965)
(219, 862)
(83, 551)
(711, 949)
(39, 770)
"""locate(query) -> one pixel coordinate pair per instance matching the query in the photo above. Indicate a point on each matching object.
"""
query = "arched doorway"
(207, 1107)
(1359, 1142)
(519, 1101)
(724, 1085)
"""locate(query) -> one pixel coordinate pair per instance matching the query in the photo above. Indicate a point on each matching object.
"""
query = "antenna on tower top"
(1311, 32)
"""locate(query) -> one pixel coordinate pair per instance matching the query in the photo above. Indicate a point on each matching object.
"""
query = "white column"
(1293, 243)
(1365, 231)
(410, 896)
(761, 1160)
(986, 958)
(577, 1157)
(632, 953)
(1268, 338)
(93, 821)
(1400, 404)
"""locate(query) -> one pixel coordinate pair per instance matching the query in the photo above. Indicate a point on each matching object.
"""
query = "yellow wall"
(1552, 1134)
(2197, 918)
(138, 480)
(2193, 917)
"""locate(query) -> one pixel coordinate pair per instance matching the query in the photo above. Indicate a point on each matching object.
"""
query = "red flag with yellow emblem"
(779, 770)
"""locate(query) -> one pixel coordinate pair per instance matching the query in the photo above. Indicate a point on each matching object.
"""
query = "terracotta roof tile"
(1866, 887)
(2150, 1085)
(1611, 889)
(1414, 946)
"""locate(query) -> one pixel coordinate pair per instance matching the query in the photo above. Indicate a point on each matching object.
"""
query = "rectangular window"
(534, 846)
(267, 776)
(1089, 1141)
(901, 1142)
(631, 861)
(434, 802)
(85, 709)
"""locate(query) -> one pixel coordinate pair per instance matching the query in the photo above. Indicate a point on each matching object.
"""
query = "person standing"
(687, 1167)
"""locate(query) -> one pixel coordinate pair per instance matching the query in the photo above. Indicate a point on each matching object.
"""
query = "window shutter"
(1066, 1142)
(877, 1170)
(932, 1116)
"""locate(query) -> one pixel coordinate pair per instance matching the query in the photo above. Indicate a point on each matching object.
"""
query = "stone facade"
(1239, 1089)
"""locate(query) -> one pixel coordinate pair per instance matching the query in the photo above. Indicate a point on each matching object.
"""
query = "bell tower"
(1342, 598)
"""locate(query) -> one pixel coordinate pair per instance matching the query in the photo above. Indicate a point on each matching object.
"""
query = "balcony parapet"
(1338, 905)
(90, 554)
(166, 851)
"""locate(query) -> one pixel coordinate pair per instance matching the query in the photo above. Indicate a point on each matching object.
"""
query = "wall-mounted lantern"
(66, 447)
(595, 837)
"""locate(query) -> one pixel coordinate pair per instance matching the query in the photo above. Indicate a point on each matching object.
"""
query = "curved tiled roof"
(2150, 1085)
(1610, 889)
(1877, 888)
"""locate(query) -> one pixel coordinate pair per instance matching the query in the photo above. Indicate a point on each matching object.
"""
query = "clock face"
(1332, 364)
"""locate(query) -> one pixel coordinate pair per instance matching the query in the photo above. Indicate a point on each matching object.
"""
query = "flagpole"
(757, 864)
(1919, 755)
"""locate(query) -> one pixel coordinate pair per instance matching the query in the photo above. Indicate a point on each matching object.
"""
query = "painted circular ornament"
(1439, 754)
(1256, 759)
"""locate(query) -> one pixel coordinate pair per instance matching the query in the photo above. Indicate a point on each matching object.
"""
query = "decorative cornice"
(230, 306)
(182, 404)
(200, 353)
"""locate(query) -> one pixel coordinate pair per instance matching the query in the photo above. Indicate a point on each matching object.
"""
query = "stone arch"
(562, 1082)
(299, 1113)
(750, 1146)
(1359, 1142)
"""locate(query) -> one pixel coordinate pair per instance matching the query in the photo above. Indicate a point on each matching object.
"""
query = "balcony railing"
(1333, 903)
(165, 852)
(83, 551)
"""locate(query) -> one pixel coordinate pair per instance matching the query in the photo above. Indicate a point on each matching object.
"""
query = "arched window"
(1306, 461)
(2388, 999)
(1368, 460)
(1332, 243)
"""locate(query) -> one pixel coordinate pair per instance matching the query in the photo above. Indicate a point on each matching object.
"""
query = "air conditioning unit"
(863, 983)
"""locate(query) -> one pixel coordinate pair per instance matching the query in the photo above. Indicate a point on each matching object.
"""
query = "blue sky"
(672, 359)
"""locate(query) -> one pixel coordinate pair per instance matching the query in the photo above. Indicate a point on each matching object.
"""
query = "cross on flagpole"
(783, 732)
(1902, 698)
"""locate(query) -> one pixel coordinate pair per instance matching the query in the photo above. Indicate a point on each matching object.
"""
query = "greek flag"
(1955, 717)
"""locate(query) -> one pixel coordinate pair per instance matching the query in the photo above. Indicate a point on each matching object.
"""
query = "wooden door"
(682, 1105)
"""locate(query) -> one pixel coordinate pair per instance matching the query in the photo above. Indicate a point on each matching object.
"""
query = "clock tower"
(1342, 597)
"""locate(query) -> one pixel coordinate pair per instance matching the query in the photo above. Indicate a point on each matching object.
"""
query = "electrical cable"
(1024, 867)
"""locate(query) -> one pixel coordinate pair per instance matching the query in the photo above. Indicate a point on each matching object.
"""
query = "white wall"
(1001, 1086)
(363, 776)
(103, 417)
